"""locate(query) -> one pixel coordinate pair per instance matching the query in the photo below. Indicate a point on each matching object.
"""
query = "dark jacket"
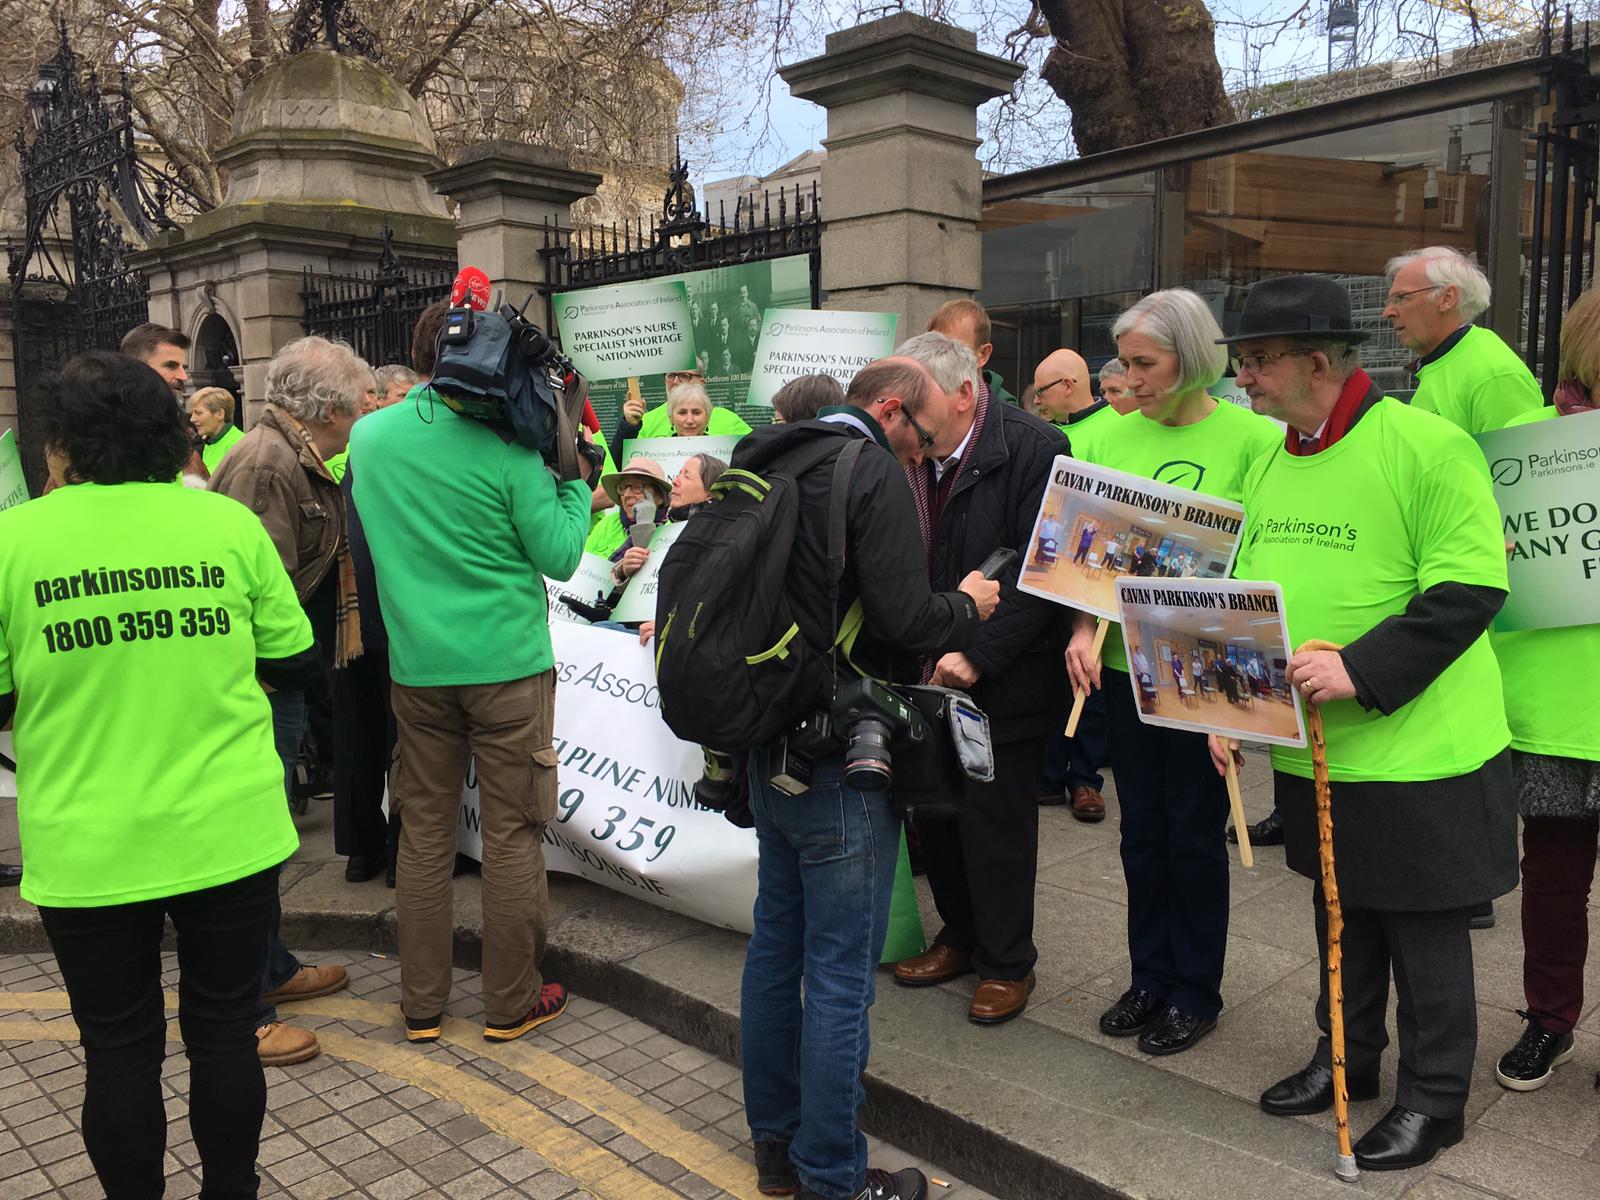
(993, 503)
(884, 563)
(284, 482)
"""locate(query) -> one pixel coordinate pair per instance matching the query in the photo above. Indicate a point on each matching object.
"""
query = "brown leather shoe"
(937, 965)
(308, 983)
(280, 1045)
(998, 1000)
(1088, 804)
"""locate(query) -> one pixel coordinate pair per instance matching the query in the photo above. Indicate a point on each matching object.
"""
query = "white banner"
(670, 453)
(626, 815)
(638, 602)
(590, 583)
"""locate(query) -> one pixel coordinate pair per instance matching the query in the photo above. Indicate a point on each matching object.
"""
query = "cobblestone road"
(593, 1103)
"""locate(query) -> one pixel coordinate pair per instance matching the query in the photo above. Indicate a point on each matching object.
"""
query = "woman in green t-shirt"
(1174, 807)
(1555, 763)
(127, 605)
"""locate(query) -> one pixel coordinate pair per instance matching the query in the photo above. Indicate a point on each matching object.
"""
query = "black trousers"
(982, 865)
(1436, 1010)
(1075, 762)
(110, 958)
(1174, 808)
(363, 744)
(321, 608)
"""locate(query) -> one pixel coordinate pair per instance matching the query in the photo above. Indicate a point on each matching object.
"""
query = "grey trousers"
(1430, 955)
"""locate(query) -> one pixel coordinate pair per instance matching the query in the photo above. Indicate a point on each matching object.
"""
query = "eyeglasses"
(1397, 297)
(1039, 391)
(924, 438)
(1254, 362)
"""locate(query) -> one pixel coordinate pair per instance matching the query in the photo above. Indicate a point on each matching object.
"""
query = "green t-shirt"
(463, 528)
(131, 618)
(336, 464)
(723, 422)
(1479, 384)
(1545, 716)
(1085, 434)
(212, 454)
(1213, 456)
(607, 534)
(1353, 534)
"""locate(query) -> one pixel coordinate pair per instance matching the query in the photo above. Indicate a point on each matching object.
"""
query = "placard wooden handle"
(1236, 802)
(1101, 625)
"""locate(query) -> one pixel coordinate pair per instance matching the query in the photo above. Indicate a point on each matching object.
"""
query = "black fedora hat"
(1297, 306)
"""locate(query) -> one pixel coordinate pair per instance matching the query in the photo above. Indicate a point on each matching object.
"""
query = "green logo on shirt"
(1180, 472)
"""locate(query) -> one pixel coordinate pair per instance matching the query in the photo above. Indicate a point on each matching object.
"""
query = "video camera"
(502, 369)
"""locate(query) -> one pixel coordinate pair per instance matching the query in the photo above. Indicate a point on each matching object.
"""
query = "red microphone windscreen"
(590, 419)
(471, 289)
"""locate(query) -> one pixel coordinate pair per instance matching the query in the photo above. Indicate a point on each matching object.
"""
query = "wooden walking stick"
(1344, 1163)
(1100, 627)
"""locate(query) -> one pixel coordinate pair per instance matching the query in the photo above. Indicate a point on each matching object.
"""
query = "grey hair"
(1180, 322)
(396, 373)
(690, 389)
(711, 468)
(1445, 266)
(1344, 357)
(313, 380)
(1112, 368)
(951, 363)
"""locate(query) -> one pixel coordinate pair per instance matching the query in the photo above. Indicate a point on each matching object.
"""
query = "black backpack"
(733, 668)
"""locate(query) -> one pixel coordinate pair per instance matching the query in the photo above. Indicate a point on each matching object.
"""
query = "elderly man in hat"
(1379, 522)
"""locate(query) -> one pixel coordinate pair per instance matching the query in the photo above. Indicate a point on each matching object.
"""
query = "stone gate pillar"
(508, 195)
(901, 187)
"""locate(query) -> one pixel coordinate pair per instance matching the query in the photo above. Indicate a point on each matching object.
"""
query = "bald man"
(1061, 390)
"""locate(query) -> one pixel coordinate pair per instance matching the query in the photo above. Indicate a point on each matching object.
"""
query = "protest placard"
(626, 816)
(13, 484)
(672, 452)
(1096, 525)
(638, 601)
(796, 342)
(1210, 655)
(589, 584)
(1547, 482)
(627, 330)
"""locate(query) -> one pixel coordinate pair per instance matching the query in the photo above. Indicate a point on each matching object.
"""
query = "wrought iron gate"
(86, 188)
(376, 310)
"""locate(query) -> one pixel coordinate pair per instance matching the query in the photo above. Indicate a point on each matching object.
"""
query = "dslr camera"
(502, 369)
(870, 721)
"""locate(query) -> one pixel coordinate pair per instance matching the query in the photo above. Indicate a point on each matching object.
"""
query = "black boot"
(775, 1175)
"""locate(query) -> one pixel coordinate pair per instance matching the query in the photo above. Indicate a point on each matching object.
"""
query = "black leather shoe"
(1481, 916)
(1173, 1031)
(1405, 1139)
(10, 874)
(775, 1173)
(1263, 833)
(1311, 1091)
(358, 869)
(1129, 1015)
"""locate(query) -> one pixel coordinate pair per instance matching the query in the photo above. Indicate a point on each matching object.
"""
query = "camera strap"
(838, 512)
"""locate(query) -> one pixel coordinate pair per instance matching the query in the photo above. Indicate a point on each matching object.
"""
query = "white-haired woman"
(1174, 808)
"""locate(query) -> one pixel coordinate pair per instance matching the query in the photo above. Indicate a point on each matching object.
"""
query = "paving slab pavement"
(1047, 1106)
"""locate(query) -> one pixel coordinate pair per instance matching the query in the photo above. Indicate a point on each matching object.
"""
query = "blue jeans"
(827, 863)
(288, 731)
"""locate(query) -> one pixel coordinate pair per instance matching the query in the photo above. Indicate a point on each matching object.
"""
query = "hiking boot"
(308, 983)
(552, 1002)
(1528, 1065)
(775, 1174)
(280, 1045)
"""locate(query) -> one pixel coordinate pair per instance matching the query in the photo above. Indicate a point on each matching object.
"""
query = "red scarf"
(1339, 420)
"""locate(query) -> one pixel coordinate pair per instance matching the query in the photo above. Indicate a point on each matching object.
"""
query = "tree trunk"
(1134, 70)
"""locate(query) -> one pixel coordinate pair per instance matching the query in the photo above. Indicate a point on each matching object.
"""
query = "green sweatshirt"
(463, 529)
(1479, 384)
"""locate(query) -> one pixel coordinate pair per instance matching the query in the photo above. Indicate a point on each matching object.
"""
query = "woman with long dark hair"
(138, 621)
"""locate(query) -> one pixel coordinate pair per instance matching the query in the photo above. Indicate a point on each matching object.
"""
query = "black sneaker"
(908, 1183)
(1528, 1065)
(551, 1003)
(775, 1174)
(424, 1029)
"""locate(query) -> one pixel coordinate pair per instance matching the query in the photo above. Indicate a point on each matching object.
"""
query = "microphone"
(470, 290)
(644, 522)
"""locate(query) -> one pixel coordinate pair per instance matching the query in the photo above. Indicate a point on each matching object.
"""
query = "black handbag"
(931, 778)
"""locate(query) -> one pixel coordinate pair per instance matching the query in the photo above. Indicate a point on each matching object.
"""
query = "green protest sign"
(638, 601)
(1547, 482)
(13, 485)
(796, 342)
(670, 453)
(628, 330)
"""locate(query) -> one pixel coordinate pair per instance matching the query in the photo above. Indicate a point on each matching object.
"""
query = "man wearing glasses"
(828, 855)
(1465, 373)
(979, 491)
